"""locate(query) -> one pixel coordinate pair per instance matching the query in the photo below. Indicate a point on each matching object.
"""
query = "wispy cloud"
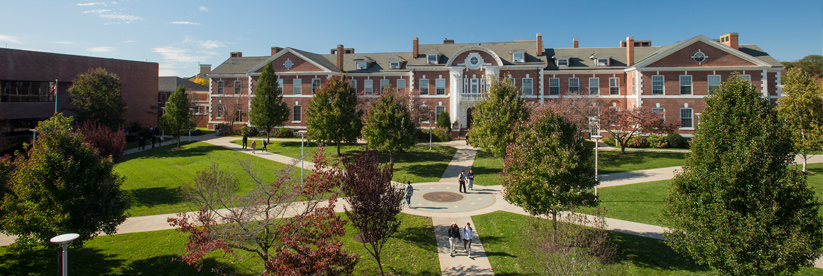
(97, 11)
(128, 18)
(128, 41)
(185, 23)
(174, 54)
(101, 49)
(91, 4)
(203, 8)
(65, 42)
(10, 39)
(117, 15)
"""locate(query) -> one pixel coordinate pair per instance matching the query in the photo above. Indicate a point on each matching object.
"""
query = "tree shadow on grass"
(172, 265)
(82, 261)
(652, 253)
(149, 197)
(425, 170)
(609, 159)
(422, 237)
(167, 152)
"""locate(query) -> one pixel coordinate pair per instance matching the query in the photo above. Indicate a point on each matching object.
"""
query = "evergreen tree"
(267, 107)
(332, 114)
(737, 206)
(495, 116)
(388, 125)
(801, 110)
(96, 97)
(178, 117)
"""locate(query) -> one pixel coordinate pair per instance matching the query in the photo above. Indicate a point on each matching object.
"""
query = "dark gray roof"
(579, 58)
(169, 84)
(378, 62)
(237, 65)
(758, 53)
(502, 49)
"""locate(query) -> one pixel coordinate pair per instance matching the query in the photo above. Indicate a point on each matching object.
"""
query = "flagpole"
(55, 96)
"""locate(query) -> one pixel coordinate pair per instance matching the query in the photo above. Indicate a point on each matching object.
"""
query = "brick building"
(27, 80)
(451, 76)
(198, 97)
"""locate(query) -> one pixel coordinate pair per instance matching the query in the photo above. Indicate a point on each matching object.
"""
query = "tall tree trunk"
(379, 264)
(338, 148)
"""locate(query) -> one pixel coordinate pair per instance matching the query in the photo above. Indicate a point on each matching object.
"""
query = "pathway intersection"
(443, 203)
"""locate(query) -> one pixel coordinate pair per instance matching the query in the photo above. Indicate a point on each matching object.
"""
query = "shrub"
(108, 141)
(251, 131)
(675, 140)
(638, 142)
(658, 141)
(443, 134)
(608, 139)
(438, 135)
(283, 133)
(443, 120)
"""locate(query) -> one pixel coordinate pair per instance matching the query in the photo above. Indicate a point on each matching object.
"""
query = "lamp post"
(302, 137)
(64, 241)
(594, 124)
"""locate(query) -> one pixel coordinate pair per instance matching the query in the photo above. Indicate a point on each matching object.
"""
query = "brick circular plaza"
(443, 197)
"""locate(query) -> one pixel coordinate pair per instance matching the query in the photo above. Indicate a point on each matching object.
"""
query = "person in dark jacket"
(409, 193)
(454, 236)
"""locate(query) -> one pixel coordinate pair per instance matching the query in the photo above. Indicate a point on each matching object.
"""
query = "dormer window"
(432, 58)
(394, 65)
(362, 65)
(519, 57)
(562, 62)
(603, 62)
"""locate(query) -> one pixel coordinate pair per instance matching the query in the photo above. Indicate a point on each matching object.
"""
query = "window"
(384, 84)
(315, 84)
(603, 62)
(528, 87)
(297, 113)
(562, 62)
(746, 77)
(685, 117)
(657, 85)
(394, 65)
(219, 109)
(237, 87)
(685, 85)
(401, 85)
(219, 87)
(440, 86)
(432, 59)
(554, 86)
(594, 86)
(368, 86)
(280, 84)
(354, 85)
(28, 91)
(614, 86)
(437, 110)
(631, 86)
(475, 85)
(424, 87)
(297, 87)
(519, 57)
(659, 110)
(714, 82)
(238, 116)
(574, 85)
(362, 65)
(482, 85)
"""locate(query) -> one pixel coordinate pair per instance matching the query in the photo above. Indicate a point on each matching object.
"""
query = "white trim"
(584, 71)
(725, 68)
(283, 52)
(662, 84)
(494, 55)
(710, 42)
(298, 96)
(680, 84)
(673, 96)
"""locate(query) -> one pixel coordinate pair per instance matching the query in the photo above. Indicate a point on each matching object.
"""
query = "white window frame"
(614, 86)
(368, 86)
(297, 86)
(519, 57)
(315, 84)
(353, 83)
(603, 61)
(575, 84)
(686, 81)
(713, 84)
(690, 118)
(437, 110)
(384, 84)
(394, 65)
(659, 110)
(238, 116)
(562, 62)
(746, 77)
(362, 65)
(432, 59)
(440, 87)
(220, 86)
(296, 113)
(424, 87)
(219, 111)
(474, 85)
(237, 87)
(280, 84)
(482, 85)
(632, 87)
(401, 85)
(658, 81)
(594, 86)
(554, 86)
(528, 89)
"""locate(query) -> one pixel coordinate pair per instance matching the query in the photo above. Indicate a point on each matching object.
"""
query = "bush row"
(671, 140)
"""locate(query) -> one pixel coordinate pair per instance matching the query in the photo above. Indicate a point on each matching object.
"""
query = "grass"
(410, 252)
(153, 178)
(417, 165)
(487, 167)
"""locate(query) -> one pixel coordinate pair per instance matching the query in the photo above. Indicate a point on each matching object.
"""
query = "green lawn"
(153, 177)
(411, 252)
(419, 164)
(487, 167)
(503, 235)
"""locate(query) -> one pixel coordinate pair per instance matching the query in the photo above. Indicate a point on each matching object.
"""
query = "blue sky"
(178, 34)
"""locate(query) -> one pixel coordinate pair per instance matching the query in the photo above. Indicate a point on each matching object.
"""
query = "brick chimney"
(730, 40)
(274, 50)
(340, 53)
(236, 54)
(539, 44)
(629, 51)
(575, 43)
(205, 69)
(415, 48)
(448, 41)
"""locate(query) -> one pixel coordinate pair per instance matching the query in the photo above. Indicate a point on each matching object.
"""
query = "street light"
(594, 124)
(302, 137)
(64, 241)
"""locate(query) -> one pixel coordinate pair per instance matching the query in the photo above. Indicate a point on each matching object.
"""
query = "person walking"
(470, 176)
(253, 146)
(468, 233)
(454, 236)
(462, 180)
(141, 142)
(409, 192)
(245, 141)
(264, 146)
(152, 141)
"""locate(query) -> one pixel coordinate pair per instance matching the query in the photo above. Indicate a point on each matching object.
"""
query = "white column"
(778, 84)
(764, 84)
(456, 79)
(540, 82)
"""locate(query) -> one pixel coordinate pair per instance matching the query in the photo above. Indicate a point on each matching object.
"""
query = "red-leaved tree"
(290, 237)
(623, 124)
(577, 109)
(108, 141)
(375, 201)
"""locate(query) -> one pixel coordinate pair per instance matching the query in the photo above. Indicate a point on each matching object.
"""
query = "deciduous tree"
(577, 109)
(801, 111)
(811, 64)
(62, 185)
(96, 97)
(737, 206)
(623, 124)
(267, 107)
(107, 141)
(291, 228)
(547, 169)
(495, 117)
(333, 116)
(375, 201)
(388, 125)
(178, 119)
